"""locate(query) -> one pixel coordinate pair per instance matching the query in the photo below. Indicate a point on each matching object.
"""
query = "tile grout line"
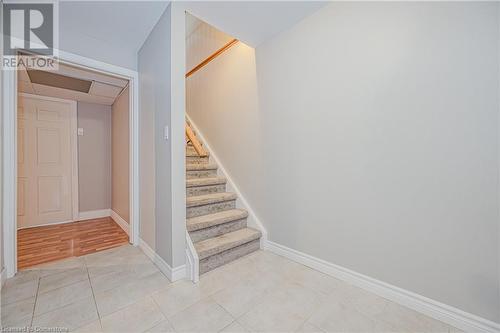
(62, 306)
(210, 298)
(164, 315)
(171, 285)
(234, 321)
(342, 302)
(65, 305)
(93, 294)
(196, 302)
(315, 326)
(258, 303)
(36, 299)
(121, 286)
(66, 270)
(235, 318)
(319, 305)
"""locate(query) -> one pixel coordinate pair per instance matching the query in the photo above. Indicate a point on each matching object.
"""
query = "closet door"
(44, 162)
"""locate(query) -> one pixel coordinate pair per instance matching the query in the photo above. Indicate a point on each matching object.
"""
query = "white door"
(45, 161)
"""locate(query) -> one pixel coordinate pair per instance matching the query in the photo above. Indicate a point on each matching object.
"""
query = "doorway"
(53, 202)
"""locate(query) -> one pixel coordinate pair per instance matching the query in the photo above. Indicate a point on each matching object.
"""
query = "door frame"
(9, 127)
(74, 153)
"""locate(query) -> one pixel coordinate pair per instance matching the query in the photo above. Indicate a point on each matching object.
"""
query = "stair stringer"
(192, 261)
(252, 219)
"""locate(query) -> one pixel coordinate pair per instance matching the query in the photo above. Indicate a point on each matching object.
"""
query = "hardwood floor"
(39, 245)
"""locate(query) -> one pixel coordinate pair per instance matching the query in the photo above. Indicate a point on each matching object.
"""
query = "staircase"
(217, 228)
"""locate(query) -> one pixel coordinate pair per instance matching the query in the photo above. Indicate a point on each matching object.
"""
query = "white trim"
(241, 202)
(445, 313)
(10, 171)
(74, 160)
(178, 273)
(46, 224)
(147, 249)
(100, 66)
(192, 261)
(10, 150)
(94, 214)
(120, 221)
(134, 159)
(3, 278)
(173, 274)
(177, 132)
(73, 146)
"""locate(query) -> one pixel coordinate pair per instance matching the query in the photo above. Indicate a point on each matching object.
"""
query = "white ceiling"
(192, 23)
(253, 22)
(112, 31)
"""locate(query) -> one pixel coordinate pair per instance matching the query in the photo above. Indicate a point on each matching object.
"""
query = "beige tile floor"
(120, 290)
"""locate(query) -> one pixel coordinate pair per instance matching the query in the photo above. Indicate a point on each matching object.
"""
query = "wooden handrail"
(194, 140)
(211, 57)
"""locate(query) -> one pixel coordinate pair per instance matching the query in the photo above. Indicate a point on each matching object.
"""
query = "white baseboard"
(46, 224)
(241, 202)
(120, 221)
(178, 273)
(173, 274)
(82, 216)
(94, 214)
(445, 313)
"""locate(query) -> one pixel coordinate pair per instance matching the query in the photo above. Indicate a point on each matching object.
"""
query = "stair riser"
(196, 160)
(202, 234)
(190, 151)
(201, 174)
(210, 208)
(201, 190)
(222, 258)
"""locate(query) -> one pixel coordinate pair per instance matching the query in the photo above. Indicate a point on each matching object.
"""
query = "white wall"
(375, 143)
(1, 146)
(161, 86)
(94, 157)
(154, 99)
(221, 99)
(80, 44)
(73, 39)
(202, 40)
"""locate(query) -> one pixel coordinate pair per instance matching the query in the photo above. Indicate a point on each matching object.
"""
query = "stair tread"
(211, 246)
(202, 166)
(210, 220)
(206, 199)
(205, 181)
